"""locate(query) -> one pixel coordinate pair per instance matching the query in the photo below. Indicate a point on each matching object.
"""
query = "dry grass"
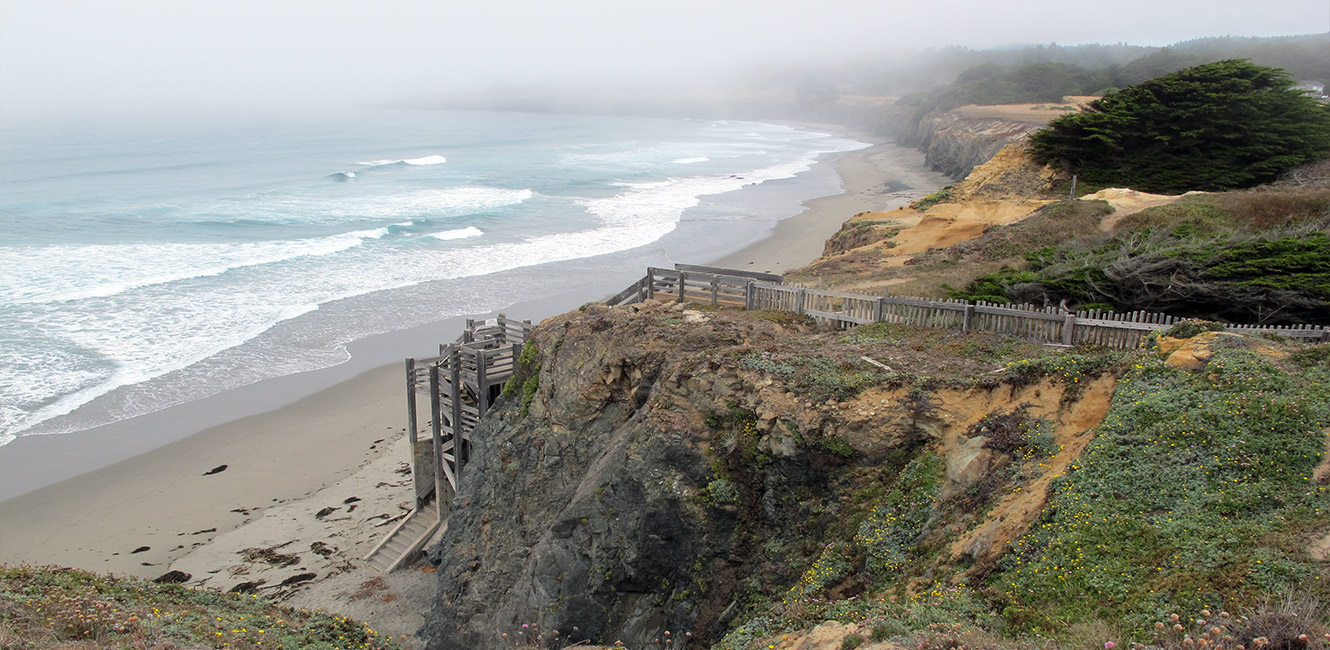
(1268, 208)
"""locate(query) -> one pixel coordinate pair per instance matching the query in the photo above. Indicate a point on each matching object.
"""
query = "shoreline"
(286, 460)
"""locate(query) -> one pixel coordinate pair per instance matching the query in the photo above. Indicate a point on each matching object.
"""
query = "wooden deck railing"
(714, 286)
(460, 383)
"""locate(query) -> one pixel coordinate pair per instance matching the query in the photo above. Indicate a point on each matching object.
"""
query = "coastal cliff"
(666, 476)
(668, 469)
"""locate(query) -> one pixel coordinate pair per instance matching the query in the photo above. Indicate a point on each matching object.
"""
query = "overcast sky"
(62, 55)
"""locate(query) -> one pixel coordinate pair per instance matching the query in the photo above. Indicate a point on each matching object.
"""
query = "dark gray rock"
(589, 511)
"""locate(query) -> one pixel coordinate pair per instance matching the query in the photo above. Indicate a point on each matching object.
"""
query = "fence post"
(681, 285)
(651, 283)
(799, 300)
(1068, 326)
(748, 295)
(880, 309)
(969, 318)
(516, 351)
(714, 289)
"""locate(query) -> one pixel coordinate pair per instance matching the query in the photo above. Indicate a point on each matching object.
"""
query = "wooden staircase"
(405, 542)
(461, 384)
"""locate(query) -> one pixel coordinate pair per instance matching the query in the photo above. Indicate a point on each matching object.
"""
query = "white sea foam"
(390, 203)
(426, 160)
(143, 345)
(690, 161)
(63, 273)
(73, 272)
(460, 233)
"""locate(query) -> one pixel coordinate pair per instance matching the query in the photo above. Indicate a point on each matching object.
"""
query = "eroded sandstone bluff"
(656, 468)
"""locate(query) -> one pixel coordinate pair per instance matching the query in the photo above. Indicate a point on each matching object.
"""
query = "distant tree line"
(1048, 73)
(1076, 70)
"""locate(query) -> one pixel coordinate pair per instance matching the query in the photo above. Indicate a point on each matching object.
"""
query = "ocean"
(147, 264)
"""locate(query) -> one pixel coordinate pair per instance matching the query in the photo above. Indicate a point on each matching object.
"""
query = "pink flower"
(1109, 645)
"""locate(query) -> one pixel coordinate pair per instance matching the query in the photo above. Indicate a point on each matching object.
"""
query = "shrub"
(1190, 328)
(1281, 621)
(721, 491)
(941, 196)
(837, 446)
(851, 641)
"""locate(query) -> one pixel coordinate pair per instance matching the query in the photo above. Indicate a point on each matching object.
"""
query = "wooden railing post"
(748, 295)
(880, 309)
(482, 384)
(799, 300)
(1068, 328)
(459, 432)
(969, 318)
(651, 283)
(714, 289)
(411, 402)
(436, 429)
(682, 281)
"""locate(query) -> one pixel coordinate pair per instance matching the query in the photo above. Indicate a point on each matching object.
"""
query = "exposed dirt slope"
(1004, 190)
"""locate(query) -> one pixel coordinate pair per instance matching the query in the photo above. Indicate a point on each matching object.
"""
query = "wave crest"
(433, 159)
(460, 233)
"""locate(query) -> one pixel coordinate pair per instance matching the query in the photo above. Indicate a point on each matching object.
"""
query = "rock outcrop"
(955, 145)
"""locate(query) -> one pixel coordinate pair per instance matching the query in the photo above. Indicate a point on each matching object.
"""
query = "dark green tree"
(1224, 125)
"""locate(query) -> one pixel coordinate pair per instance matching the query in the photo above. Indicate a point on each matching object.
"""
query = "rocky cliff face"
(958, 140)
(675, 466)
(955, 144)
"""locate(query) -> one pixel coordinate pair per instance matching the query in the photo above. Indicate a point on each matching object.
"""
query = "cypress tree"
(1224, 125)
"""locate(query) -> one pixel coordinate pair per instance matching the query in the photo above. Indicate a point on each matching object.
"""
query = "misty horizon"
(83, 58)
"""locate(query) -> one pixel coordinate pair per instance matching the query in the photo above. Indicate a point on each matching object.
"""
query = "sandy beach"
(313, 482)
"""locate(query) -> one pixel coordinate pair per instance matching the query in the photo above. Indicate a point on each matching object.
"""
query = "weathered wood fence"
(708, 285)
